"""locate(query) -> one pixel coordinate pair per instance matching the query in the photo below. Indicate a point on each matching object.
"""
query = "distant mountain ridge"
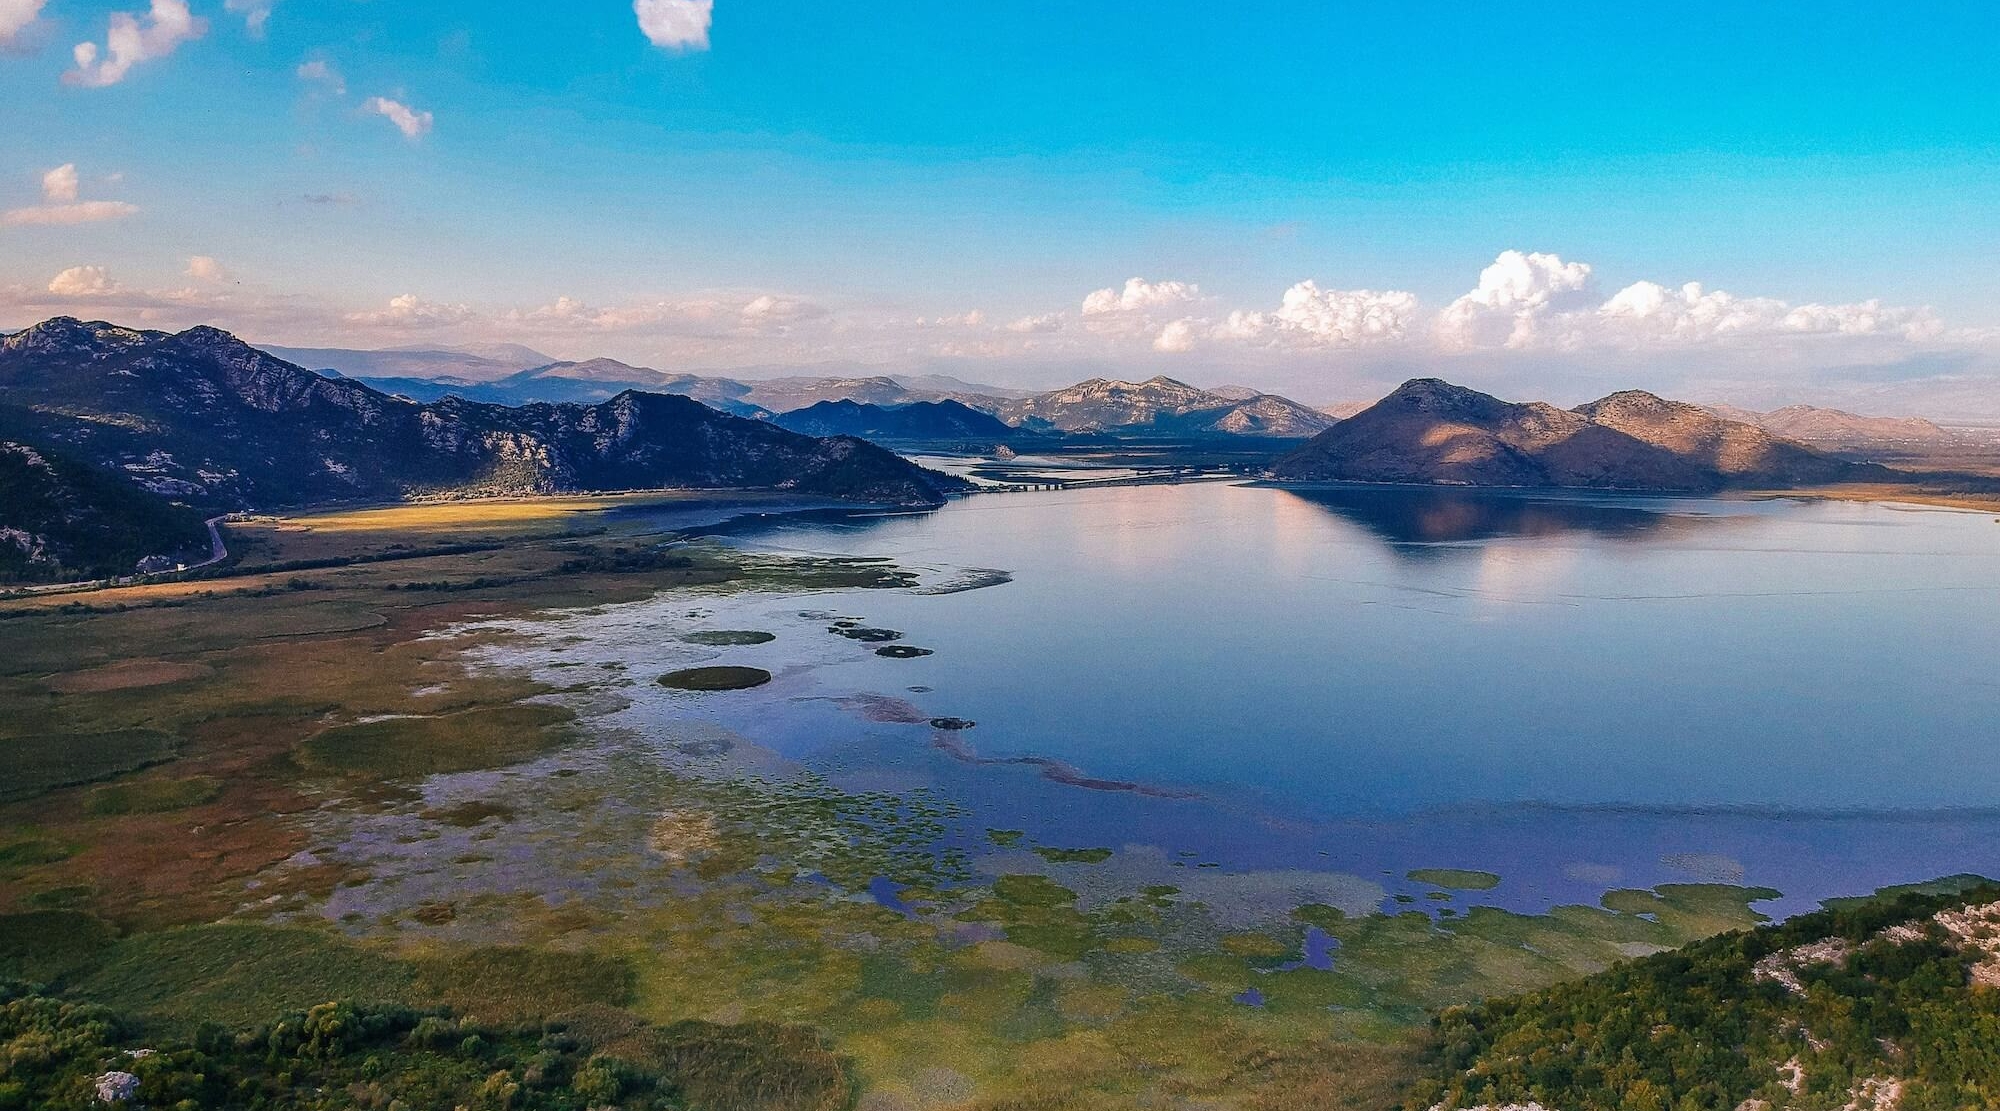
(1432, 432)
(1835, 427)
(918, 420)
(1159, 406)
(457, 366)
(204, 418)
(1164, 406)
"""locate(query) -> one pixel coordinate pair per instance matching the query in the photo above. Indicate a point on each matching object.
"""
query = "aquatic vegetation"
(902, 651)
(36, 763)
(715, 678)
(405, 747)
(865, 635)
(726, 638)
(150, 796)
(1073, 856)
(1458, 879)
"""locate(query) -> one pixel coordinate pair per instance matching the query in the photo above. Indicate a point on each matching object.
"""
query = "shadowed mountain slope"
(202, 417)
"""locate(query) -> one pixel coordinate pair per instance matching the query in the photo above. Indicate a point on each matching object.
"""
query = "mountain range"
(202, 419)
(1160, 406)
(1432, 432)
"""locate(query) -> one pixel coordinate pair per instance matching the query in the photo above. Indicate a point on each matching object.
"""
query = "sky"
(1756, 203)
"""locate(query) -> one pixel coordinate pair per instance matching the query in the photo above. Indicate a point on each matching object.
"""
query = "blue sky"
(904, 185)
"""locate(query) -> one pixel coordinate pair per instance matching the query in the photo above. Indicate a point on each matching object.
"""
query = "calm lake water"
(1574, 690)
(1396, 649)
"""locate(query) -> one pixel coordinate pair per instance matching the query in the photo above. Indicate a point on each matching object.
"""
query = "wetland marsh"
(1090, 799)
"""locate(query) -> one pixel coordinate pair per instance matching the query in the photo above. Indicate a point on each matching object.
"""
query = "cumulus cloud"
(203, 268)
(60, 190)
(16, 15)
(1310, 316)
(411, 311)
(133, 39)
(412, 123)
(255, 13)
(1176, 338)
(771, 311)
(83, 281)
(970, 319)
(1693, 314)
(675, 24)
(60, 184)
(1041, 323)
(1139, 295)
(1513, 298)
(321, 72)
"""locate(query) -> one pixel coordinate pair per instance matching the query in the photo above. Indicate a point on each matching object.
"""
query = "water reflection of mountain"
(1411, 518)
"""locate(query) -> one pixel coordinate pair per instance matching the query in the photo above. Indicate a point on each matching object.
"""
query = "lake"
(1575, 691)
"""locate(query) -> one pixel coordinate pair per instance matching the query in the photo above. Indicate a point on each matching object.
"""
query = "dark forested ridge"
(1877, 1005)
(64, 519)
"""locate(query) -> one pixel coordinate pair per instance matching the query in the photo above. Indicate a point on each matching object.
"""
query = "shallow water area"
(1575, 692)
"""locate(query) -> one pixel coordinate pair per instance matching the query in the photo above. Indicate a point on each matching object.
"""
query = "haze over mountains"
(1161, 406)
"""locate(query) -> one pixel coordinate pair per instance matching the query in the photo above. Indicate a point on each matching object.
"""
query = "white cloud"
(1139, 295)
(972, 318)
(411, 122)
(1692, 314)
(409, 310)
(1315, 317)
(60, 204)
(255, 13)
(16, 15)
(1038, 323)
(203, 268)
(675, 24)
(130, 41)
(83, 281)
(321, 72)
(771, 312)
(1513, 297)
(59, 184)
(1176, 338)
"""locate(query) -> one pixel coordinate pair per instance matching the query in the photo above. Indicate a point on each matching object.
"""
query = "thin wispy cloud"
(60, 205)
(320, 72)
(255, 13)
(133, 39)
(414, 124)
(675, 24)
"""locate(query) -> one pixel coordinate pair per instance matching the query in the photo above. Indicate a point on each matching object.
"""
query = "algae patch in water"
(1457, 879)
(729, 638)
(715, 678)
